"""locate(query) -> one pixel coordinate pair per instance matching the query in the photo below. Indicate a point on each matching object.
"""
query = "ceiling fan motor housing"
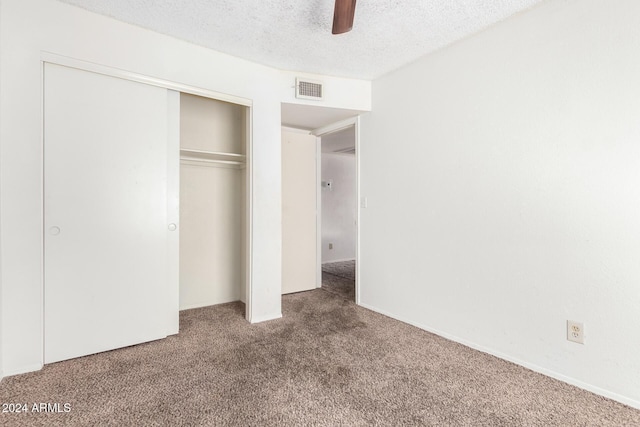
(343, 14)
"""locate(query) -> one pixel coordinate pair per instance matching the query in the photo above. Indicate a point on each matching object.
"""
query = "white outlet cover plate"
(575, 331)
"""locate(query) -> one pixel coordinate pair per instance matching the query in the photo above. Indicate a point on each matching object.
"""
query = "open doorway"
(339, 212)
(334, 132)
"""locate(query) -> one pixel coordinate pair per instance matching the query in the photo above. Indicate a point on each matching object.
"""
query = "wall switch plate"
(575, 331)
(363, 202)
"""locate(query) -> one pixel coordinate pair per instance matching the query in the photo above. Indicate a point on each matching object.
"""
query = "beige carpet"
(327, 362)
(344, 269)
(340, 278)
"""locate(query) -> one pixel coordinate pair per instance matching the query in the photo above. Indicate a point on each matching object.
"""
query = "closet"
(213, 179)
(121, 258)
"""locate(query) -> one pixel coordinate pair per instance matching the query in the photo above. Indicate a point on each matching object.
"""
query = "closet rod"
(212, 163)
(211, 154)
(226, 162)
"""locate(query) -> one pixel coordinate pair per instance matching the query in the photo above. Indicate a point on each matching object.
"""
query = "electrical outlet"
(330, 245)
(575, 331)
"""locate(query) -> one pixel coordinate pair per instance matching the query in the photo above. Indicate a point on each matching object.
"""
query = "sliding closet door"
(108, 244)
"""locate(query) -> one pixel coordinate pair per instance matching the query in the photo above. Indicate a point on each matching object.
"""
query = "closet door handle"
(172, 227)
(54, 231)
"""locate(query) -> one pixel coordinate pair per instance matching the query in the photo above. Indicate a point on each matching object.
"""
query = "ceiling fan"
(343, 13)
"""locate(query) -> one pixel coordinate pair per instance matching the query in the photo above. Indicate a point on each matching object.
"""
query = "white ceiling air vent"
(308, 89)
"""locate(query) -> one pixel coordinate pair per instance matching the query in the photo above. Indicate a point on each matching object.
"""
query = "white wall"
(339, 207)
(502, 182)
(27, 29)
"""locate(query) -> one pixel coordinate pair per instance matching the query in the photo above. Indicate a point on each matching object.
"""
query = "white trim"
(318, 212)
(335, 127)
(358, 258)
(248, 255)
(140, 78)
(206, 304)
(24, 370)
(41, 213)
(544, 371)
(265, 318)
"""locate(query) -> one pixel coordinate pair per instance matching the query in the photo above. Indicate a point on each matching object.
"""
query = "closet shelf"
(213, 158)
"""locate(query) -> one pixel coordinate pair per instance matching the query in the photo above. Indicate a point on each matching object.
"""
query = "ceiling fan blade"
(343, 16)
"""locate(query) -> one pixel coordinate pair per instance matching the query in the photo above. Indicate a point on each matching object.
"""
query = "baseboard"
(338, 260)
(544, 371)
(265, 318)
(206, 304)
(22, 370)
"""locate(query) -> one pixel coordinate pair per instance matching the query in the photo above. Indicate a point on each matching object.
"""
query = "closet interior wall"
(213, 137)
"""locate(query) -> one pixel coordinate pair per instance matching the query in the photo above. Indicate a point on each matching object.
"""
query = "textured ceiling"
(296, 34)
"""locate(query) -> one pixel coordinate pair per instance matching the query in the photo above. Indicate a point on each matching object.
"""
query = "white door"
(299, 247)
(109, 250)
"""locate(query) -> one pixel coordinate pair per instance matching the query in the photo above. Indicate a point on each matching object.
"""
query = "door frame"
(319, 132)
(52, 58)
